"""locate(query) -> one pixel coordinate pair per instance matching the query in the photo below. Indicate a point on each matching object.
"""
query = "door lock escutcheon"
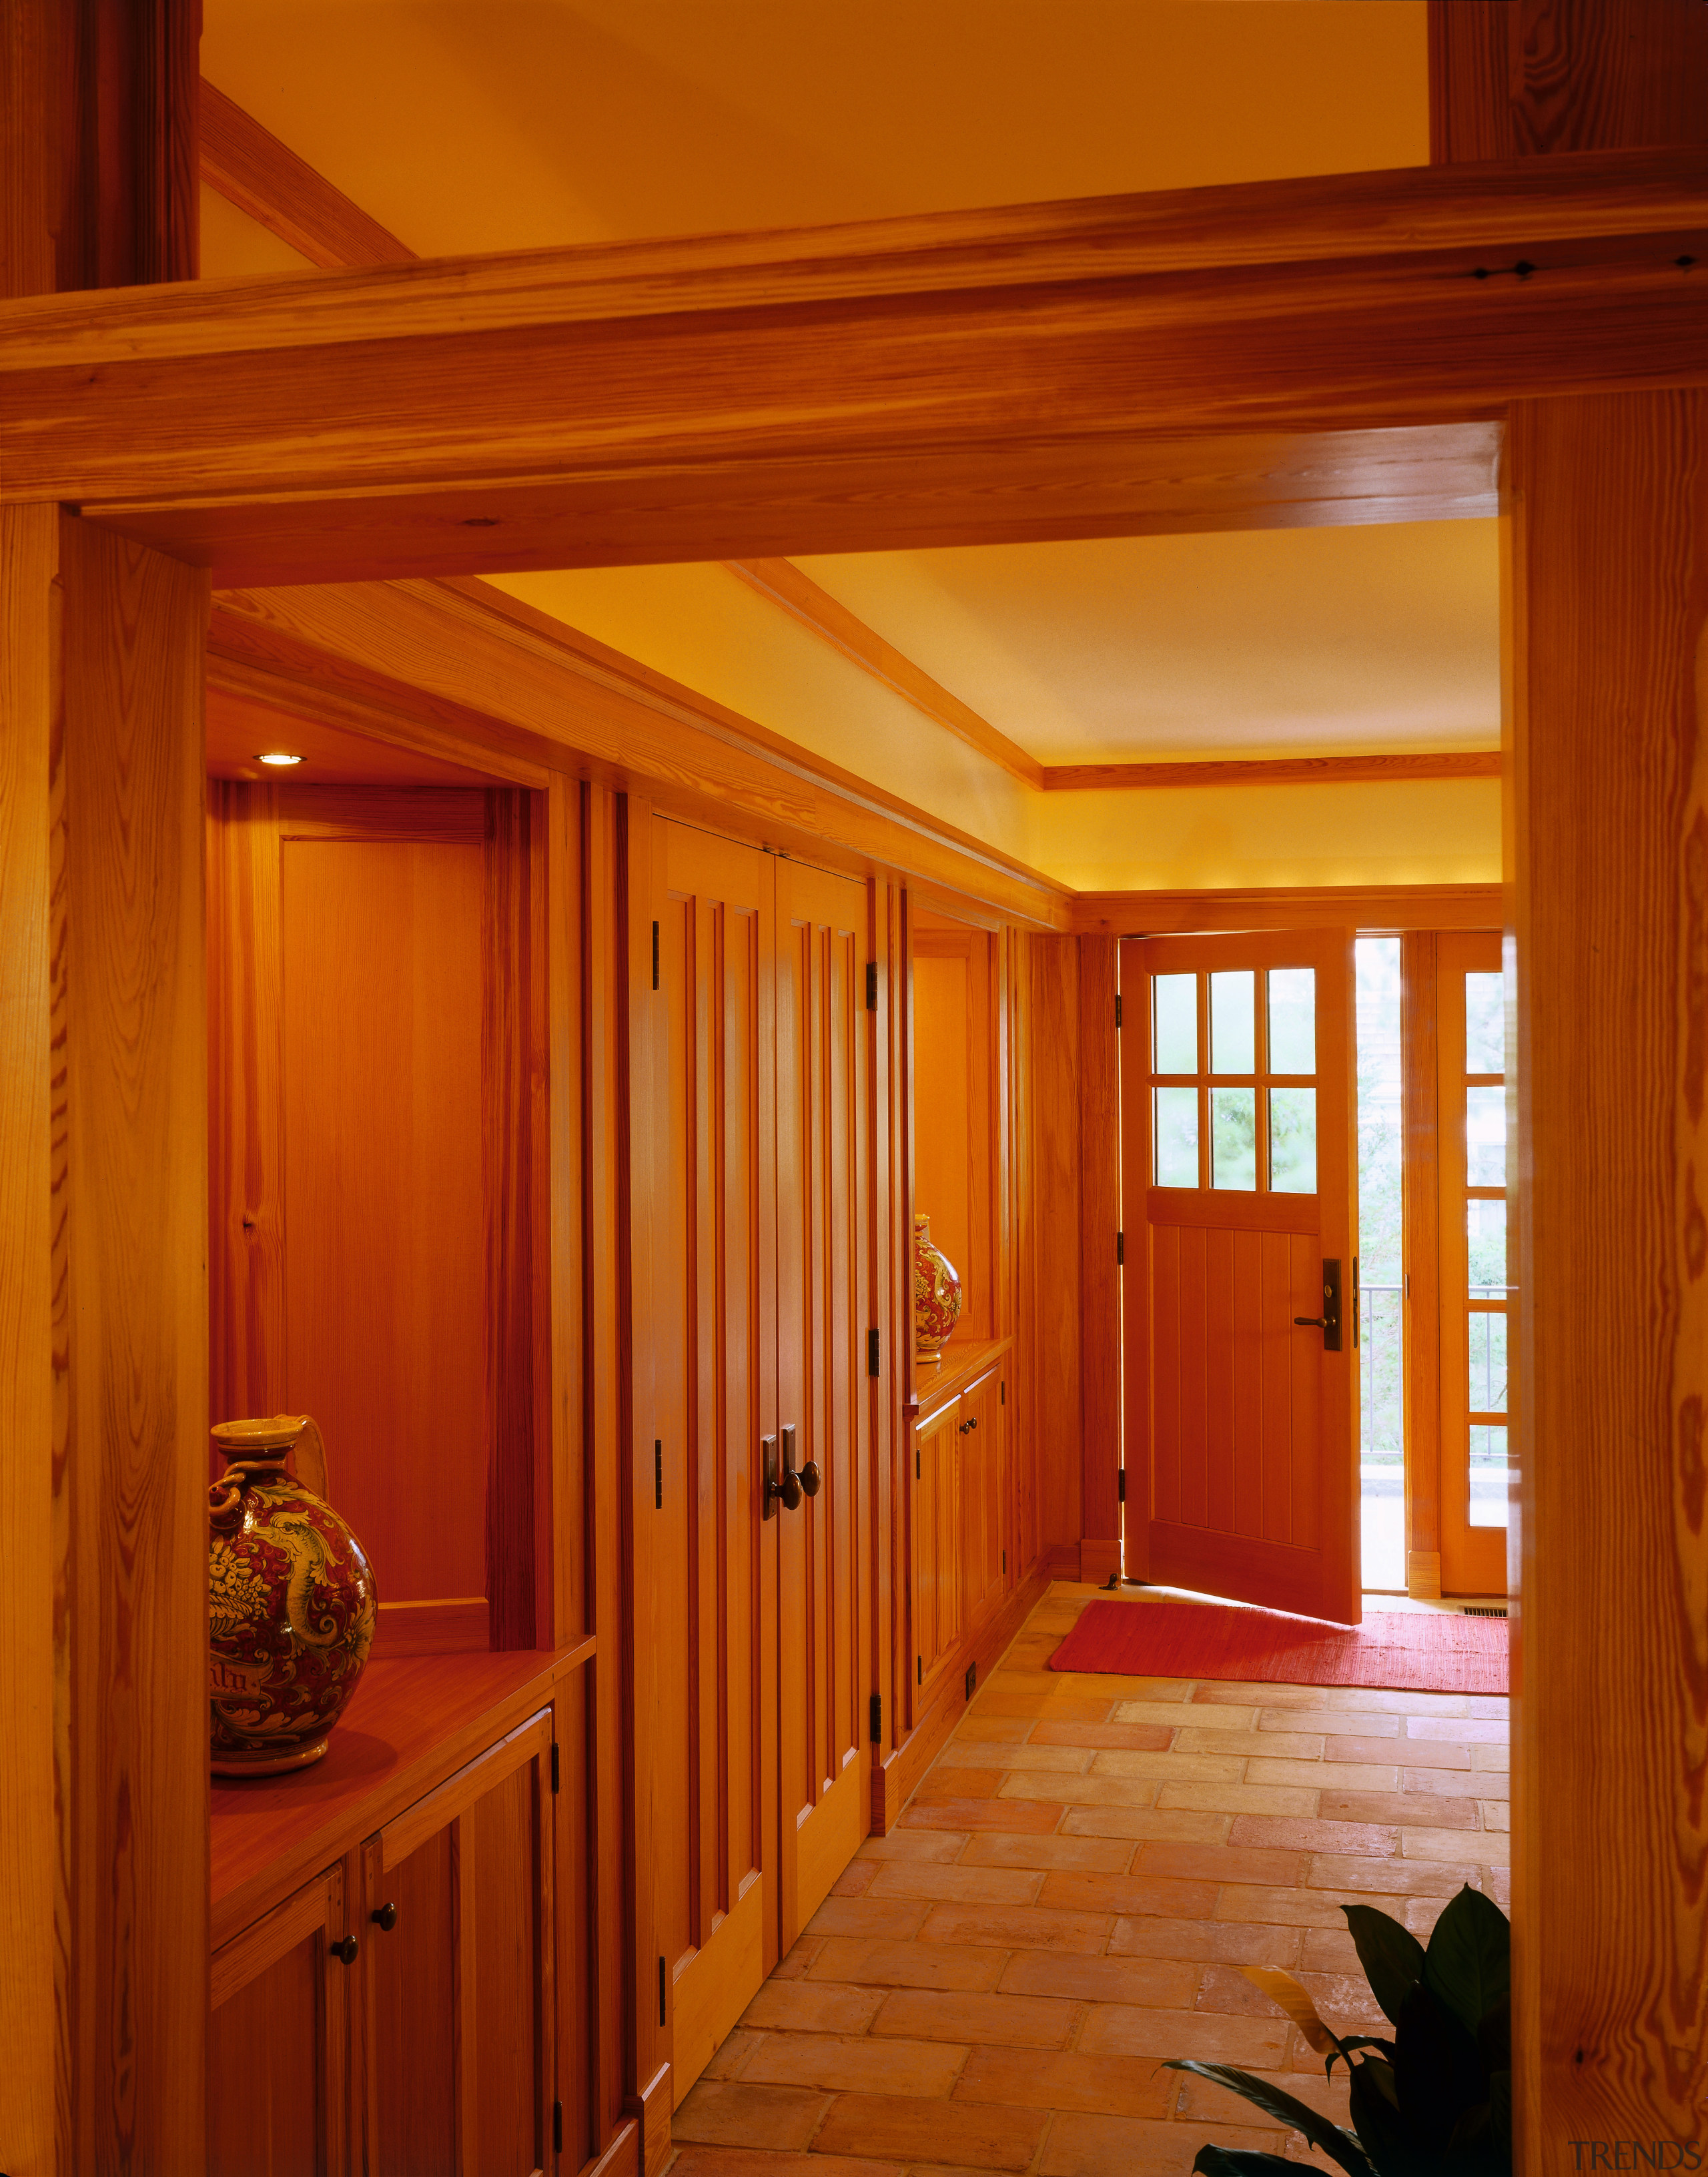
(1328, 1322)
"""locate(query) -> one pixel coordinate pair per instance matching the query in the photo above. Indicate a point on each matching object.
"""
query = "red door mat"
(1410, 1651)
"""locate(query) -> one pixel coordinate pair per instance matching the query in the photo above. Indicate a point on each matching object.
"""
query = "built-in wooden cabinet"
(961, 1518)
(937, 1555)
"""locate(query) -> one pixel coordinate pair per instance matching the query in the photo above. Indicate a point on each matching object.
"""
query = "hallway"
(1068, 1900)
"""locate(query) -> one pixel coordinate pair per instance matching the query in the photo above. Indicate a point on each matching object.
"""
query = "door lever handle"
(1328, 1322)
(1315, 1322)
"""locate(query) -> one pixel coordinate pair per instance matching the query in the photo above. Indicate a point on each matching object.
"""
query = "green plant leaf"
(1339, 2146)
(1224, 2162)
(1383, 2133)
(1391, 1956)
(1437, 2069)
(1468, 1966)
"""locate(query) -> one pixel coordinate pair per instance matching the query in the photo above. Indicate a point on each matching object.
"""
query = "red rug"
(1410, 1651)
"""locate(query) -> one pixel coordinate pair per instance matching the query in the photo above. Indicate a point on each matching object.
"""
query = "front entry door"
(1239, 1186)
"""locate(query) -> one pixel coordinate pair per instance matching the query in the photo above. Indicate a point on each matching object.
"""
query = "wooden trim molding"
(248, 165)
(1271, 770)
(784, 584)
(1370, 908)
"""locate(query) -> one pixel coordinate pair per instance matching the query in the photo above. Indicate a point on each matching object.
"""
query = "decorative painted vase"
(937, 1293)
(291, 1600)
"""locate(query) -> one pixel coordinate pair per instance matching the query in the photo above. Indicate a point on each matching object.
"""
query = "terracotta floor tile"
(1014, 1815)
(809, 2006)
(1216, 1717)
(1288, 1745)
(1199, 1863)
(963, 1885)
(1253, 2044)
(1219, 1693)
(1178, 1823)
(980, 1723)
(1036, 2078)
(1014, 2021)
(1486, 1848)
(855, 1879)
(796, 1962)
(1324, 1775)
(1327, 1720)
(734, 2113)
(1086, 1685)
(1081, 2146)
(892, 2127)
(980, 1754)
(1458, 1783)
(1167, 1982)
(867, 1915)
(958, 1783)
(1423, 1810)
(1279, 1834)
(940, 1845)
(1496, 1813)
(1298, 1908)
(1212, 1768)
(731, 2060)
(846, 2066)
(1343, 2001)
(1461, 1730)
(1491, 1758)
(693, 2160)
(1048, 1702)
(1018, 1928)
(1389, 1700)
(1136, 1737)
(1086, 1791)
(1130, 1893)
(1198, 2105)
(1247, 1798)
(906, 1965)
(1393, 1878)
(1225, 1988)
(1420, 1753)
(1207, 1940)
(1331, 1950)
(1109, 1855)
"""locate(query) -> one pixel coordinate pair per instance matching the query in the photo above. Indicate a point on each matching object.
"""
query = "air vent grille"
(1483, 1610)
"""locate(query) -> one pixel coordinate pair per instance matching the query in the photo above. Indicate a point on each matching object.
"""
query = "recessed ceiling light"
(280, 757)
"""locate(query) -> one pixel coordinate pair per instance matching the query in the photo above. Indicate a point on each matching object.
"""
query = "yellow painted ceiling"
(490, 124)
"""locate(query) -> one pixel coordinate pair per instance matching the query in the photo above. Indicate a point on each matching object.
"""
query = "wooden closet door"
(714, 1605)
(823, 1393)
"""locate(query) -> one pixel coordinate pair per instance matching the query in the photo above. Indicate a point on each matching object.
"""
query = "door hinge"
(1356, 1297)
(1005, 1561)
(972, 1677)
(655, 955)
(919, 1669)
(1120, 1249)
(557, 1770)
(658, 1474)
(874, 1352)
(663, 1985)
(871, 986)
(1117, 1009)
(1003, 1392)
(875, 1718)
(1121, 1485)
(916, 1462)
(557, 2127)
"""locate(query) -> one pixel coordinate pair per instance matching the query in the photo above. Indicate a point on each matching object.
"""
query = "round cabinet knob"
(811, 1477)
(346, 1951)
(385, 1918)
(974, 1423)
(789, 1490)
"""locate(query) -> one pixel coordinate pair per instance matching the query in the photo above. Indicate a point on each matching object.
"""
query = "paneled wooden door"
(762, 1296)
(823, 1242)
(1239, 1212)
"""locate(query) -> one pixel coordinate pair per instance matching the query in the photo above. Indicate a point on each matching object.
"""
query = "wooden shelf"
(935, 1384)
(409, 1725)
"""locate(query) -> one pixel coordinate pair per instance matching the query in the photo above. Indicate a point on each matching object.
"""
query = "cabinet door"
(936, 1590)
(459, 1987)
(278, 2101)
(979, 1432)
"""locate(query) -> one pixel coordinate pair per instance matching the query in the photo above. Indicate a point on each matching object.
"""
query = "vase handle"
(308, 1458)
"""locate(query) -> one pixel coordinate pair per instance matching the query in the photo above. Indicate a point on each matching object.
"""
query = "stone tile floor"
(1067, 1900)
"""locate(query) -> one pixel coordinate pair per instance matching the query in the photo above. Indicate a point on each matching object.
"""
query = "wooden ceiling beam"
(252, 169)
(1197, 359)
(1272, 771)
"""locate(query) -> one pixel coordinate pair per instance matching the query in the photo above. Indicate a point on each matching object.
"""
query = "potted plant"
(1438, 2097)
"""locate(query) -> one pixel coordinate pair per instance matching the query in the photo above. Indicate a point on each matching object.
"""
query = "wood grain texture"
(1512, 77)
(799, 595)
(1373, 910)
(1267, 771)
(252, 169)
(483, 672)
(1049, 1243)
(28, 1838)
(130, 1334)
(278, 2042)
(128, 212)
(1350, 302)
(1610, 589)
(1420, 1249)
(1099, 1223)
(956, 1095)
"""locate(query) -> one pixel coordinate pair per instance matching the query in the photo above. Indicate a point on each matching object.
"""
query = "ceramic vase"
(937, 1293)
(291, 1600)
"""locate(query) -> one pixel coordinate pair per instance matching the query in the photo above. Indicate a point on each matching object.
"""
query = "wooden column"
(1608, 842)
(1047, 1244)
(1421, 1208)
(1099, 1273)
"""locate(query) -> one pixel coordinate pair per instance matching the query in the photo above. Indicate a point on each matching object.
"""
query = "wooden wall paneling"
(564, 1598)
(1057, 1402)
(608, 1477)
(1420, 1216)
(892, 1313)
(1563, 75)
(638, 1196)
(1373, 910)
(1135, 1291)
(1609, 583)
(1100, 1274)
(31, 1423)
(128, 1267)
